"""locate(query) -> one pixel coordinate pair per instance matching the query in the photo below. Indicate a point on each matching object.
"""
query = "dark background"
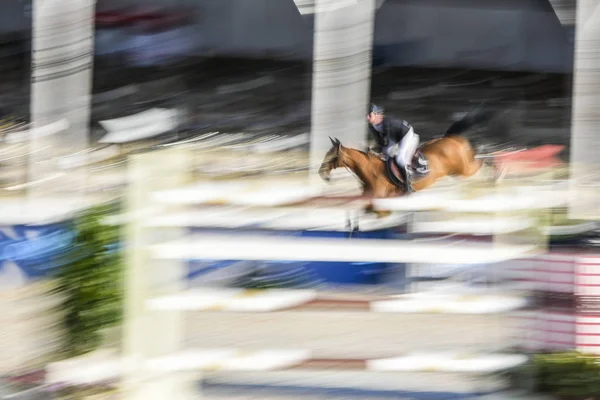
(432, 59)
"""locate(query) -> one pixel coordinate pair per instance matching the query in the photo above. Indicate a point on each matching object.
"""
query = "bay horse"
(451, 155)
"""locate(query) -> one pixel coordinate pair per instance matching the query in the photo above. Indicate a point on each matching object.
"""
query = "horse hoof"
(382, 214)
(379, 214)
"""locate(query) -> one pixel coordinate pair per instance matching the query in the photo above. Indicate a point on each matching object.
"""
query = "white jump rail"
(14, 211)
(271, 300)
(107, 366)
(277, 219)
(236, 193)
(475, 226)
(521, 200)
(262, 247)
(278, 195)
(150, 332)
(247, 194)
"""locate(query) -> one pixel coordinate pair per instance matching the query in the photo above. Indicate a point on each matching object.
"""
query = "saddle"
(418, 168)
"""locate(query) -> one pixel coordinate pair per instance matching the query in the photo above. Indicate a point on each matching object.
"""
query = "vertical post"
(343, 42)
(61, 79)
(585, 141)
(148, 333)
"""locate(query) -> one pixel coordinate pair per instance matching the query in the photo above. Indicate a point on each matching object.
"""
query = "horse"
(451, 155)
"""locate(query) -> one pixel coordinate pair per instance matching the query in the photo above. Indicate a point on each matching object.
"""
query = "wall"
(15, 16)
(257, 27)
(458, 36)
(500, 34)
(510, 36)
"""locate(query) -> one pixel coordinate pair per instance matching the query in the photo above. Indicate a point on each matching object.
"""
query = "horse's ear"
(333, 141)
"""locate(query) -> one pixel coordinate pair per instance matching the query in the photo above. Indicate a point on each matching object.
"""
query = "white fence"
(159, 247)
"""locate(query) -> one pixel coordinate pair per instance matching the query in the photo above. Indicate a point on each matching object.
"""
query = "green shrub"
(91, 281)
(568, 374)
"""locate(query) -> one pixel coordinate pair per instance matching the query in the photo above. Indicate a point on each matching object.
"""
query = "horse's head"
(331, 160)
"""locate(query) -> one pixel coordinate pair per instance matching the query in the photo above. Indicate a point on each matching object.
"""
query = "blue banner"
(36, 250)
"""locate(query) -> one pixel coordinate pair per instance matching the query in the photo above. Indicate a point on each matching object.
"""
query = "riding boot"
(406, 178)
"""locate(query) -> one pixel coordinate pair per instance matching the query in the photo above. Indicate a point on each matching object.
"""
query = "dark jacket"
(393, 130)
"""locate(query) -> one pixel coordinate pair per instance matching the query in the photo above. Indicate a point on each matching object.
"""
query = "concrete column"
(61, 80)
(585, 140)
(343, 42)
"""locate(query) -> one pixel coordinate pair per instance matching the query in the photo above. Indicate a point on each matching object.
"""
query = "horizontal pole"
(276, 300)
(262, 247)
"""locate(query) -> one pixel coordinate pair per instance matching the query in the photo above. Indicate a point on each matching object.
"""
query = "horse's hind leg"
(497, 171)
(470, 164)
(472, 167)
(500, 173)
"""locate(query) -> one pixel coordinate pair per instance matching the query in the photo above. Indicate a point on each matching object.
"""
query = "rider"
(394, 138)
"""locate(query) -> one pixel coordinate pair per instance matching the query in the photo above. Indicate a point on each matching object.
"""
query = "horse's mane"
(373, 156)
(368, 155)
(362, 153)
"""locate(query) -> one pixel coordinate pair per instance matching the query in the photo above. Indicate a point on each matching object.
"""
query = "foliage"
(97, 392)
(91, 281)
(568, 374)
(560, 217)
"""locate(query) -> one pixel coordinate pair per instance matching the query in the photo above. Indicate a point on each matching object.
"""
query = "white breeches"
(405, 150)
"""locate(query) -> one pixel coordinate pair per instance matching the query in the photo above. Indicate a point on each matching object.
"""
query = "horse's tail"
(477, 116)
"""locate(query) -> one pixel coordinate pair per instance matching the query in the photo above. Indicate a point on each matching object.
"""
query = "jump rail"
(153, 337)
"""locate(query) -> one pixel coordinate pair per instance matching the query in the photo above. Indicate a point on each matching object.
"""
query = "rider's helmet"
(375, 109)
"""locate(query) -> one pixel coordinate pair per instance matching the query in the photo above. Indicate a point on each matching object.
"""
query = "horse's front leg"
(368, 196)
(370, 209)
(380, 192)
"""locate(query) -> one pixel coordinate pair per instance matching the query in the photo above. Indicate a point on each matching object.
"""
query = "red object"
(167, 19)
(111, 18)
(533, 164)
(537, 153)
(129, 16)
(541, 157)
(145, 13)
(145, 17)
